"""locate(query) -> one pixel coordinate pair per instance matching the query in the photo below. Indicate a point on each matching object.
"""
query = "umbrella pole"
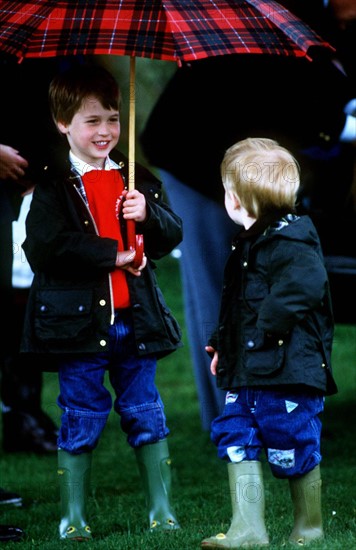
(134, 242)
(132, 125)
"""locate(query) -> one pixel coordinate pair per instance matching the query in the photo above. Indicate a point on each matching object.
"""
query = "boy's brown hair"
(70, 88)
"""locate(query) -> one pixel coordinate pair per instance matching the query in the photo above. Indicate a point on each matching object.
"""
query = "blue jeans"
(285, 424)
(86, 403)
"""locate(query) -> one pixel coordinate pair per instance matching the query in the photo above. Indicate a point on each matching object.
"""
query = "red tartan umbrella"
(170, 30)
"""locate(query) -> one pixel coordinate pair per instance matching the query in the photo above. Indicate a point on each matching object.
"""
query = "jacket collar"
(262, 223)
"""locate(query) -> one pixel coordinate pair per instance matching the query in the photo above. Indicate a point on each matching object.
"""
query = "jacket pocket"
(172, 327)
(63, 315)
(264, 355)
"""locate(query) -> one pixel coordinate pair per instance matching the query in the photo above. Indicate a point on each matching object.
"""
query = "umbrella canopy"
(170, 30)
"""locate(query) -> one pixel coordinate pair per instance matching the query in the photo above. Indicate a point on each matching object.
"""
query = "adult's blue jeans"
(86, 402)
(208, 233)
(285, 424)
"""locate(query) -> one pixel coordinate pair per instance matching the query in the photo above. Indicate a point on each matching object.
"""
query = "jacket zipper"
(112, 315)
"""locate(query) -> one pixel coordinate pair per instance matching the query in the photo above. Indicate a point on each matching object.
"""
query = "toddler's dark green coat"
(276, 322)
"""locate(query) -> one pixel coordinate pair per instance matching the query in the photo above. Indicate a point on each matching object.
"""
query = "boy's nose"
(104, 130)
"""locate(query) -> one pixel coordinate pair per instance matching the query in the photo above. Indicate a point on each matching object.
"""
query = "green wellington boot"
(306, 497)
(155, 469)
(74, 480)
(248, 509)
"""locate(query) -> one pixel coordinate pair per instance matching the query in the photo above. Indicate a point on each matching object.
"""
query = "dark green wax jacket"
(70, 305)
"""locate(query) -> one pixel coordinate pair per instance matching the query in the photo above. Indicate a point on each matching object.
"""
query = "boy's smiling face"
(93, 132)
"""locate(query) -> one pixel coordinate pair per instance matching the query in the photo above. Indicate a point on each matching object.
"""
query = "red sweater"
(104, 190)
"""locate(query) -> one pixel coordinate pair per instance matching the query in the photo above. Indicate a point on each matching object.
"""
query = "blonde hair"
(264, 175)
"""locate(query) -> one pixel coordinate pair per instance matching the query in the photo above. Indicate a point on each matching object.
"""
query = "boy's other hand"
(124, 260)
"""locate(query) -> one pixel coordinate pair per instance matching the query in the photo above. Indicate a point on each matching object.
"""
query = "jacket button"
(250, 344)
(141, 347)
(280, 342)
(323, 365)
(86, 222)
(245, 264)
(102, 302)
(103, 343)
(81, 308)
(43, 308)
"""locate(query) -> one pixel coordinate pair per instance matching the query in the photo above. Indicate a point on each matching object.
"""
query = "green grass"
(200, 489)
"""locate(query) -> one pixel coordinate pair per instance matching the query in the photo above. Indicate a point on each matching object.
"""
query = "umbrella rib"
(282, 18)
(233, 29)
(115, 26)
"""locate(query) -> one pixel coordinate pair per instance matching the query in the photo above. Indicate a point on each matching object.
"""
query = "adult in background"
(12, 167)
(26, 425)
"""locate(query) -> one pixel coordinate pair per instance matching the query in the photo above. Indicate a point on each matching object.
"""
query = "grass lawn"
(200, 487)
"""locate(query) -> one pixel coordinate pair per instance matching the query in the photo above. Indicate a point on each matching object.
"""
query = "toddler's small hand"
(214, 362)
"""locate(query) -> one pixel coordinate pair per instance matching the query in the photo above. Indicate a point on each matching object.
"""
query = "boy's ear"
(62, 127)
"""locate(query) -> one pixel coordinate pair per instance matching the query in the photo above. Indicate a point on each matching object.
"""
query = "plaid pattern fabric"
(171, 30)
